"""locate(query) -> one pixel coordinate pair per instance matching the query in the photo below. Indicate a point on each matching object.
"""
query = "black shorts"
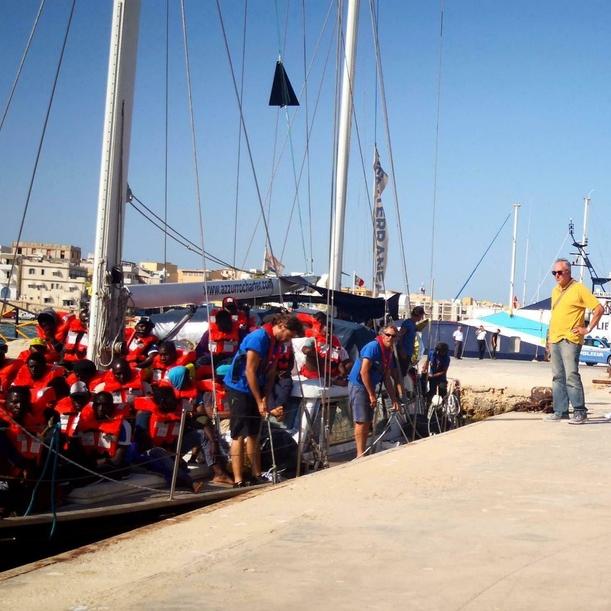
(244, 416)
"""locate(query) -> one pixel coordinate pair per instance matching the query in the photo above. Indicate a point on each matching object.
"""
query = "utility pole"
(514, 241)
(584, 239)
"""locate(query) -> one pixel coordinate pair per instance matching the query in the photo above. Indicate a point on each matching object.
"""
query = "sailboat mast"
(343, 147)
(514, 241)
(584, 239)
(106, 316)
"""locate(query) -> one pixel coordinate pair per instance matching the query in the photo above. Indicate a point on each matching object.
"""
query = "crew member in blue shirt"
(438, 365)
(407, 338)
(375, 364)
(249, 382)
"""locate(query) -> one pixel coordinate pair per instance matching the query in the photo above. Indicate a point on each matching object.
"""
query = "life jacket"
(160, 370)
(163, 426)
(51, 355)
(42, 394)
(123, 395)
(63, 320)
(99, 437)
(220, 342)
(76, 342)
(211, 389)
(27, 446)
(8, 371)
(137, 347)
(69, 416)
(312, 326)
(324, 352)
(283, 355)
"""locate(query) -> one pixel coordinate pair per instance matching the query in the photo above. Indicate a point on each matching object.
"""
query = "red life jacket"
(163, 426)
(8, 371)
(211, 389)
(69, 416)
(220, 342)
(42, 394)
(123, 395)
(76, 342)
(312, 326)
(63, 320)
(160, 370)
(99, 437)
(137, 347)
(284, 356)
(323, 353)
(27, 446)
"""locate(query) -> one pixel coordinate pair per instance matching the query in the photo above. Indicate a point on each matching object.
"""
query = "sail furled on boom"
(380, 227)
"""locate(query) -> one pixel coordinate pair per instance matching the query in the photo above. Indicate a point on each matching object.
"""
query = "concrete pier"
(509, 513)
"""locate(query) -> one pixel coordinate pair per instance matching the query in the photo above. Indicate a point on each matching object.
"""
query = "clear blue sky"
(525, 109)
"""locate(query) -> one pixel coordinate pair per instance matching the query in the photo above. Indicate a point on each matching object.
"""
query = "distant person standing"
(480, 336)
(459, 339)
(407, 338)
(494, 342)
(570, 299)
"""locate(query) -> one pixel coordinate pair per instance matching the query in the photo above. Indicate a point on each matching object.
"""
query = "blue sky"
(524, 118)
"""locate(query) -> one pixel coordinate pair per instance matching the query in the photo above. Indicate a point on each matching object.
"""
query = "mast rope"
(178, 237)
(307, 136)
(276, 163)
(39, 150)
(21, 64)
(165, 157)
(496, 235)
(389, 146)
(239, 153)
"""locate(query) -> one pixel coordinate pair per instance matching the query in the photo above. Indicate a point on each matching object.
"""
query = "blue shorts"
(359, 403)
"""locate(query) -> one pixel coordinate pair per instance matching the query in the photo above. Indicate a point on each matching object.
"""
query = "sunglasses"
(558, 272)
(393, 335)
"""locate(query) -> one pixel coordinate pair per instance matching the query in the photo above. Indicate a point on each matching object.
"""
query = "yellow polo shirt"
(569, 311)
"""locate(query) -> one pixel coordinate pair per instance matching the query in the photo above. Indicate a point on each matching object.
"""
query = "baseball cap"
(37, 341)
(79, 388)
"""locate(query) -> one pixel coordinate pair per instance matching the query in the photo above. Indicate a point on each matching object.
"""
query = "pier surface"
(509, 513)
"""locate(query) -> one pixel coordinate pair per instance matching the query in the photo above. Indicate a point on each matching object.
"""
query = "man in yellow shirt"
(570, 300)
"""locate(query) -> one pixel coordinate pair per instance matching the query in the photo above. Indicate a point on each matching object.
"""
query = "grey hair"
(565, 261)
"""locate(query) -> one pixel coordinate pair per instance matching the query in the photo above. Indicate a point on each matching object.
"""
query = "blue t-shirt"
(260, 342)
(439, 363)
(373, 352)
(408, 340)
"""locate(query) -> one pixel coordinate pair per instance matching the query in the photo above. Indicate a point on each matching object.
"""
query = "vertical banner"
(380, 228)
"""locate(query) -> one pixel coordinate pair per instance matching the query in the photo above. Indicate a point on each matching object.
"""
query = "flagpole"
(353, 283)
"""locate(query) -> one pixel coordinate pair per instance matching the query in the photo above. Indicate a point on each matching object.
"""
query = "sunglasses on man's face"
(393, 335)
(558, 272)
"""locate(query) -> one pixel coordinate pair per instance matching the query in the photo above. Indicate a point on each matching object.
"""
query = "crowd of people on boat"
(106, 422)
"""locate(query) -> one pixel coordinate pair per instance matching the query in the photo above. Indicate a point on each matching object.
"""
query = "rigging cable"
(239, 155)
(165, 168)
(276, 163)
(247, 140)
(39, 150)
(21, 63)
(307, 135)
(389, 146)
(435, 169)
(496, 235)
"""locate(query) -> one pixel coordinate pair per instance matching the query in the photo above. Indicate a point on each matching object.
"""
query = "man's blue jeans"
(566, 381)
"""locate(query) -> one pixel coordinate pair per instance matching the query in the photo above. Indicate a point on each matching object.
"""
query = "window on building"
(68, 302)
(58, 274)
(19, 251)
(31, 271)
(42, 272)
(62, 254)
(48, 300)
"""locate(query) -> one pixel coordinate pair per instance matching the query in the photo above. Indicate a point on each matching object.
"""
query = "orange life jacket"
(123, 395)
(42, 394)
(163, 426)
(283, 355)
(220, 342)
(77, 341)
(99, 437)
(27, 446)
(8, 371)
(69, 416)
(137, 347)
(160, 370)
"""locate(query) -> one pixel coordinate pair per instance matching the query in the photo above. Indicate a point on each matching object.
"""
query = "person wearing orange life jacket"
(169, 356)
(139, 345)
(156, 434)
(22, 434)
(77, 338)
(313, 324)
(52, 328)
(45, 381)
(103, 435)
(124, 383)
(8, 370)
(84, 371)
(325, 358)
(219, 343)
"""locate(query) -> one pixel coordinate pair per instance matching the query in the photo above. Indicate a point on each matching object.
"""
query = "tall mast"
(343, 147)
(514, 241)
(584, 239)
(106, 320)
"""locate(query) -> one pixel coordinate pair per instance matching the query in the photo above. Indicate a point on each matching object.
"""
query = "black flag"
(282, 91)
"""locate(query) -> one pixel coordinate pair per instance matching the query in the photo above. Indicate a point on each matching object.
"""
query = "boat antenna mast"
(583, 259)
(108, 295)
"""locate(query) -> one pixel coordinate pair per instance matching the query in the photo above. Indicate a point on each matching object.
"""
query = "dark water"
(7, 330)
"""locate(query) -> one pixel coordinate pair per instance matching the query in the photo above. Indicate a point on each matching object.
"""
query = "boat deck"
(508, 513)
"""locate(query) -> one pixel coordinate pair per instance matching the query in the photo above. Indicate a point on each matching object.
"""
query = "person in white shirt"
(480, 335)
(458, 342)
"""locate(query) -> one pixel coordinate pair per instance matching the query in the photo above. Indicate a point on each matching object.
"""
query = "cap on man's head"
(228, 301)
(79, 388)
(47, 316)
(37, 341)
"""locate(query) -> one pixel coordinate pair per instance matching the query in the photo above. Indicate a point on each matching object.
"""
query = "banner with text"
(380, 227)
